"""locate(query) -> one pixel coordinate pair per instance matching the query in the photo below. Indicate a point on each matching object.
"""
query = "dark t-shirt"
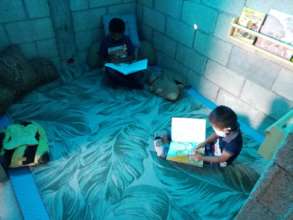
(232, 144)
(119, 49)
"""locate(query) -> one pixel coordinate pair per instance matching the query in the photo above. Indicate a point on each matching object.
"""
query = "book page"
(188, 130)
(183, 153)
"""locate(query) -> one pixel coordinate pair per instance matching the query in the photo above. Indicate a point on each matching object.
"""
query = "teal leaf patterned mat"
(103, 165)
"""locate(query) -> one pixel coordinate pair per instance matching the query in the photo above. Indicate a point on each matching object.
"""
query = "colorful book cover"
(184, 155)
(279, 26)
(186, 134)
(274, 48)
(252, 20)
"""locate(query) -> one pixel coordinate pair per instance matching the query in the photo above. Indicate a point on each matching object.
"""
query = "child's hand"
(198, 156)
(201, 145)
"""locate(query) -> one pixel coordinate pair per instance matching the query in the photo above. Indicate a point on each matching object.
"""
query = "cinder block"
(29, 49)
(230, 6)
(223, 26)
(42, 28)
(3, 37)
(191, 59)
(82, 55)
(26, 30)
(245, 112)
(253, 67)
(180, 32)
(225, 78)
(47, 48)
(11, 11)
(148, 3)
(99, 3)
(154, 19)
(284, 157)
(37, 8)
(146, 33)
(88, 20)
(139, 13)
(204, 17)
(123, 9)
(85, 38)
(265, 5)
(164, 44)
(30, 30)
(284, 84)
(169, 63)
(170, 7)
(205, 87)
(76, 5)
(276, 191)
(264, 100)
(213, 48)
(260, 5)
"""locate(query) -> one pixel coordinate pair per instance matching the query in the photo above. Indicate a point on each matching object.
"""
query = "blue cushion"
(130, 26)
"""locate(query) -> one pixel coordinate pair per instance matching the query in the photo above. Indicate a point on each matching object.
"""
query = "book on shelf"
(279, 26)
(252, 20)
(274, 48)
(186, 134)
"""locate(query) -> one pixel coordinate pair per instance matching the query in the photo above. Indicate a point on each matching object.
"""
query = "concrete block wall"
(258, 89)
(27, 23)
(272, 197)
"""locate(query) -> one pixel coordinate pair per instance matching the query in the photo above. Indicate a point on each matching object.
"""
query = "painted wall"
(258, 89)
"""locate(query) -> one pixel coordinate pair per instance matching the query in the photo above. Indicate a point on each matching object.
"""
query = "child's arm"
(211, 139)
(214, 159)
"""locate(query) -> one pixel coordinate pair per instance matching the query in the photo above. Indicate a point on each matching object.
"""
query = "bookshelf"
(252, 48)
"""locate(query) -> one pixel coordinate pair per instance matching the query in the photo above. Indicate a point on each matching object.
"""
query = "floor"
(103, 165)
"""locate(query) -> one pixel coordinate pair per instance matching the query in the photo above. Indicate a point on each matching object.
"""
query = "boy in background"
(118, 48)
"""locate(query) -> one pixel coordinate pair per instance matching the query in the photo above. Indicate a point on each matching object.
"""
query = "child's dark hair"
(224, 117)
(117, 25)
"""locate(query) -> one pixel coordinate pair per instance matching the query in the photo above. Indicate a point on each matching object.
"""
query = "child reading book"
(218, 150)
(118, 48)
(225, 144)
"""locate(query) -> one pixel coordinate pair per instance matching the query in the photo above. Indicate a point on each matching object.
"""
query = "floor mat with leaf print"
(103, 165)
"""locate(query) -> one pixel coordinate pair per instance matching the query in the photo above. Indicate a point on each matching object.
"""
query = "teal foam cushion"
(130, 26)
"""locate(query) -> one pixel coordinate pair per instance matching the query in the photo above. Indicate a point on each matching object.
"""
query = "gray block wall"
(272, 197)
(258, 89)
(28, 23)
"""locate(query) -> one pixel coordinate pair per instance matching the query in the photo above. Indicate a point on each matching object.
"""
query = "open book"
(129, 68)
(186, 134)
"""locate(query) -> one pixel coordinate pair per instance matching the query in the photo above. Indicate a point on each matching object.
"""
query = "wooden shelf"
(252, 48)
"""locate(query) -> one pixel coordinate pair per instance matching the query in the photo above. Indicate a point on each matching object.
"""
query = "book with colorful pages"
(186, 134)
